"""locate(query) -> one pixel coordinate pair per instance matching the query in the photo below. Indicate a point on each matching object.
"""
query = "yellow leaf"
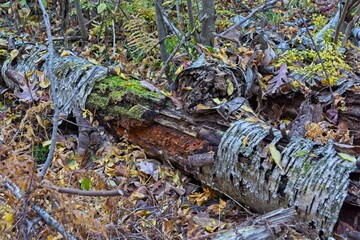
(202, 107)
(223, 55)
(109, 170)
(216, 100)
(245, 141)
(46, 143)
(209, 229)
(179, 70)
(137, 196)
(222, 204)
(230, 87)
(117, 70)
(246, 108)
(9, 219)
(176, 179)
(347, 157)
(143, 213)
(276, 155)
(29, 74)
(188, 88)
(13, 54)
(38, 118)
(43, 81)
(253, 119)
(123, 76)
(166, 93)
(65, 53)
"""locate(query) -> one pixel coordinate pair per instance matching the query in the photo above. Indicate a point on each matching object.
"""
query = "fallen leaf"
(28, 93)
(276, 156)
(347, 157)
(278, 80)
(149, 168)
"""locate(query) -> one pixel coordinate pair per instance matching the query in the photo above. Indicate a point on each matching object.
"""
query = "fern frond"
(141, 42)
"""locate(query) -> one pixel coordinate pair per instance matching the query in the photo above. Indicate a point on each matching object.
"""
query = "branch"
(42, 213)
(167, 21)
(321, 61)
(93, 193)
(258, 9)
(341, 21)
(50, 63)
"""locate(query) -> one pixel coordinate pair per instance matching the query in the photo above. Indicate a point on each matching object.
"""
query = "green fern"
(140, 41)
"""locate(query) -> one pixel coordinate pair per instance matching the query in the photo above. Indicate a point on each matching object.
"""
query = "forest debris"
(266, 226)
(42, 213)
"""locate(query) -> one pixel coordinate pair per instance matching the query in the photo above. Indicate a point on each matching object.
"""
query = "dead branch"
(93, 193)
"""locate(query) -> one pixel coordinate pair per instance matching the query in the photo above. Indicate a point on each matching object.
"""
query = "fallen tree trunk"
(227, 147)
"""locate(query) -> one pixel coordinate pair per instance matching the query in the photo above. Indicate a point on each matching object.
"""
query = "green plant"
(40, 153)
(306, 62)
(274, 17)
(140, 41)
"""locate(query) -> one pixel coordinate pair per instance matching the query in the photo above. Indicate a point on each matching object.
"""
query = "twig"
(93, 193)
(70, 38)
(353, 6)
(50, 63)
(42, 213)
(258, 9)
(192, 21)
(341, 20)
(113, 30)
(26, 200)
(170, 58)
(321, 61)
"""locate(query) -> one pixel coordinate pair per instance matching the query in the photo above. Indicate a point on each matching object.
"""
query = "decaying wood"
(267, 226)
(225, 146)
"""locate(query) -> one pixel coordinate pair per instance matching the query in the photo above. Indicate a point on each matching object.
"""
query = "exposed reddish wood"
(155, 139)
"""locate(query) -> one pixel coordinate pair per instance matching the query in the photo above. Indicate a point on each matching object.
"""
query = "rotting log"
(311, 177)
(227, 147)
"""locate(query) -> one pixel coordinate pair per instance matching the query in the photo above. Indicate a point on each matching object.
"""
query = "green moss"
(134, 112)
(97, 102)
(307, 166)
(220, 133)
(130, 85)
(123, 96)
(117, 96)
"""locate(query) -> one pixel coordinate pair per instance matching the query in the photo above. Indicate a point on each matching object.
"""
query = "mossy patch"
(122, 97)
(128, 85)
(135, 112)
(97, 101)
